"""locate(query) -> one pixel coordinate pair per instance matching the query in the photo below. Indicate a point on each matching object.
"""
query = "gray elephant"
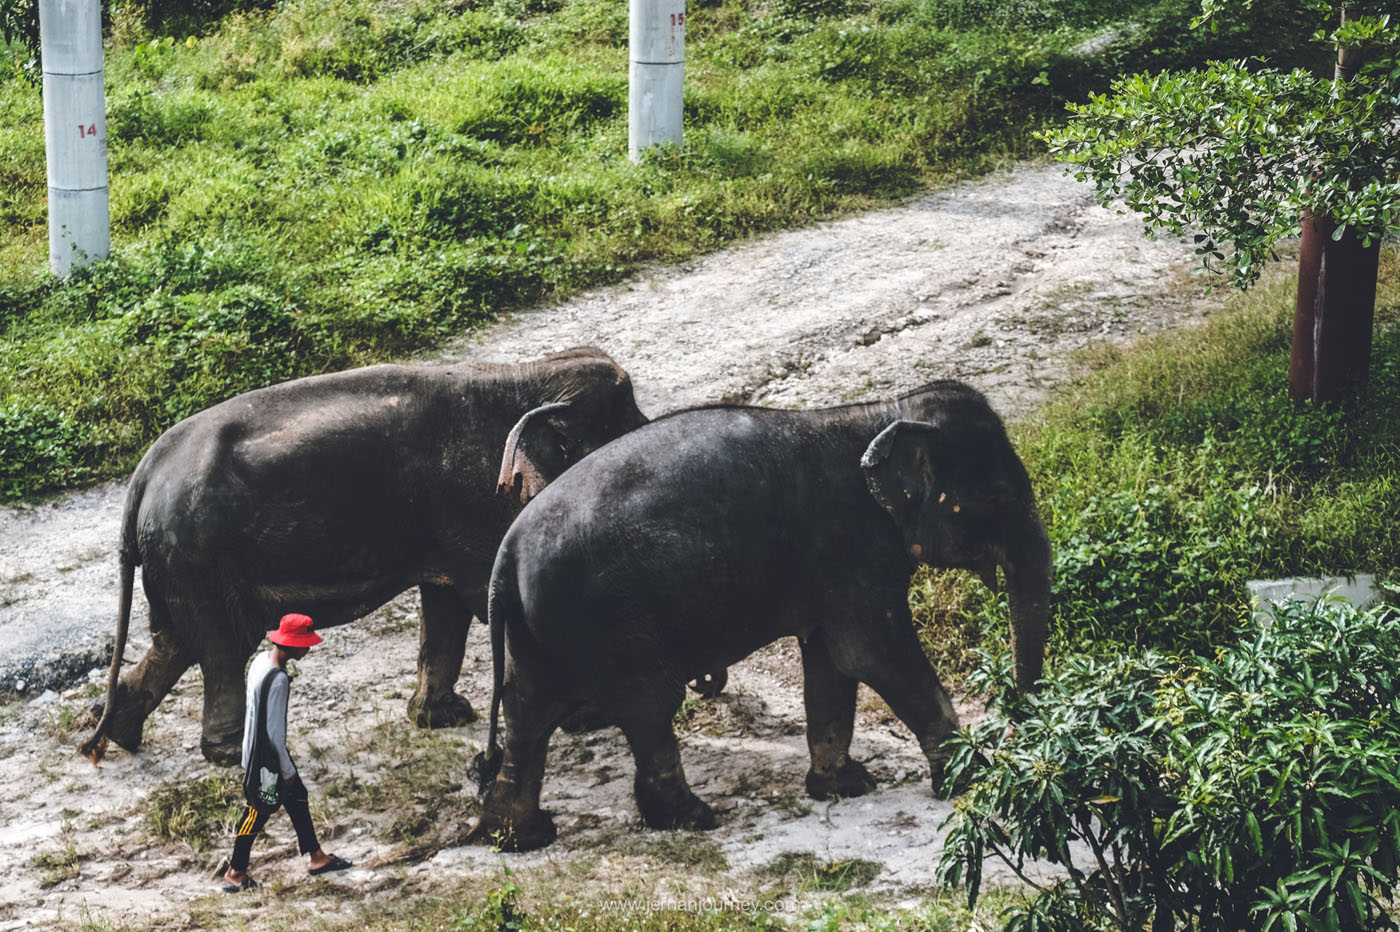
(330, 495)
(699, 538)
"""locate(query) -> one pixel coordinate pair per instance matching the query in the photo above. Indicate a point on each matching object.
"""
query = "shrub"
(41, 449)
(1254, 789)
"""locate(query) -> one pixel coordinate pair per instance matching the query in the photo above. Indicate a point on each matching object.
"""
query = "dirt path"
(995, 282)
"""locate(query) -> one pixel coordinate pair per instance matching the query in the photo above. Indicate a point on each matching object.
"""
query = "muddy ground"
(997, 282)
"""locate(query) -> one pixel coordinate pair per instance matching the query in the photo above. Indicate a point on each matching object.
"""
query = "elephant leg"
(663, 796)
(224, 707)
(511, 818)
(887, 656)
(140, 691)
(830, 700)
(441, 646)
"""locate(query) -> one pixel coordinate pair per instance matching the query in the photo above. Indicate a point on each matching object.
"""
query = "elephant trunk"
(1028, 570)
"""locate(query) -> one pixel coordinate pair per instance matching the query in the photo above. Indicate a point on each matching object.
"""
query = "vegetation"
(199, 813)
(1248, 790)
(335, 182)
(54, 867)
(1175, 472)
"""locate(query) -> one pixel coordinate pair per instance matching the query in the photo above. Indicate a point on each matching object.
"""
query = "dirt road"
(995, 282)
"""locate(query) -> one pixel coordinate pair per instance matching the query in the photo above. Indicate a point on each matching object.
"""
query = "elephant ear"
(899, 468)
(536, 452)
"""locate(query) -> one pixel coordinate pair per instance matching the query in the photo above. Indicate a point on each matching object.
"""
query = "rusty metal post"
(1335, 313)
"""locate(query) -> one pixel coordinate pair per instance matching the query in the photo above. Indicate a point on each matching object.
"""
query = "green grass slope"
(335, 182)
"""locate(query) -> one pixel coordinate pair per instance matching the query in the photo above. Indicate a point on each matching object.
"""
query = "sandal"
(248, 884)
(336, 863)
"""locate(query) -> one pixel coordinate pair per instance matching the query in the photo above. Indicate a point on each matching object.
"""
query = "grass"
(198, 813)
(54, 867)
(335, 182)
(810, 873)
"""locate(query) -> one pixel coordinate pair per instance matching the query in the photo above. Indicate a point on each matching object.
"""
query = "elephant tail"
(95, 747)
(504, 599)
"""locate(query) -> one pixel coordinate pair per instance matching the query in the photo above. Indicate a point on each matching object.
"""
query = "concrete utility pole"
(656, 82)
(75, 132)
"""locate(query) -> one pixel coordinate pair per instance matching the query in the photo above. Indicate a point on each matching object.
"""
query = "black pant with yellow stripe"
(295, 801)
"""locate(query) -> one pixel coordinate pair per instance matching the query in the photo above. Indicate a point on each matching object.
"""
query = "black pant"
(295, 801)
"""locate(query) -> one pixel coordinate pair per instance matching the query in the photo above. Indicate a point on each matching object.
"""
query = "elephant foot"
(126, 725)
(534, 831)
(851, 779)
(587, 717)
(710, 684)
(225, 753)
(691, 813)
(449, 711)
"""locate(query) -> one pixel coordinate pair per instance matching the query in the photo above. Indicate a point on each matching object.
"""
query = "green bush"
(40, 449)
(1252, 789)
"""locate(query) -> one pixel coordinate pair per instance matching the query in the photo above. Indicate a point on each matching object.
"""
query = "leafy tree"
(1241, 155)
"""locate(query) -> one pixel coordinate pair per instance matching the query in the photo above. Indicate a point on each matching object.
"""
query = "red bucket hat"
(295, 631)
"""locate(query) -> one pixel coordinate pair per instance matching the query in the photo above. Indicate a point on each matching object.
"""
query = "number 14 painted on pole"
(88, 130)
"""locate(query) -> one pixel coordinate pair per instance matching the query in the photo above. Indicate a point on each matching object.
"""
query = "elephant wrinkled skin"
(330, 495)
(703, 536)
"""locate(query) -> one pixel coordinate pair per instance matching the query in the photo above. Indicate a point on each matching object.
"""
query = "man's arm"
(277, 722)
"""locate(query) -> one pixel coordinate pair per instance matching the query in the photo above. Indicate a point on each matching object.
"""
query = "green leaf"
(1256, 839)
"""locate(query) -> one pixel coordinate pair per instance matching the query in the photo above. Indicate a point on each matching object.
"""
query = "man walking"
(292, 640)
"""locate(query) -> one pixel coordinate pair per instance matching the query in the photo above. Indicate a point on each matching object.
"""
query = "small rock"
(48, 697)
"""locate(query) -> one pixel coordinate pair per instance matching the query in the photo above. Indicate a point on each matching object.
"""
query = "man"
(292, 640)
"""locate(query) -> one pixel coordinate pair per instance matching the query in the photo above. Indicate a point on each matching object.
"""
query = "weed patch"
(810, 873)
(54, 867)
(200, 813)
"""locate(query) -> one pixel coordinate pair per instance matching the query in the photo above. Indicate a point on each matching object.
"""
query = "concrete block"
(1360, 590)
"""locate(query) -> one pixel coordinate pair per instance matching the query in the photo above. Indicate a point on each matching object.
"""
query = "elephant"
(329, 495)
(706, 534)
